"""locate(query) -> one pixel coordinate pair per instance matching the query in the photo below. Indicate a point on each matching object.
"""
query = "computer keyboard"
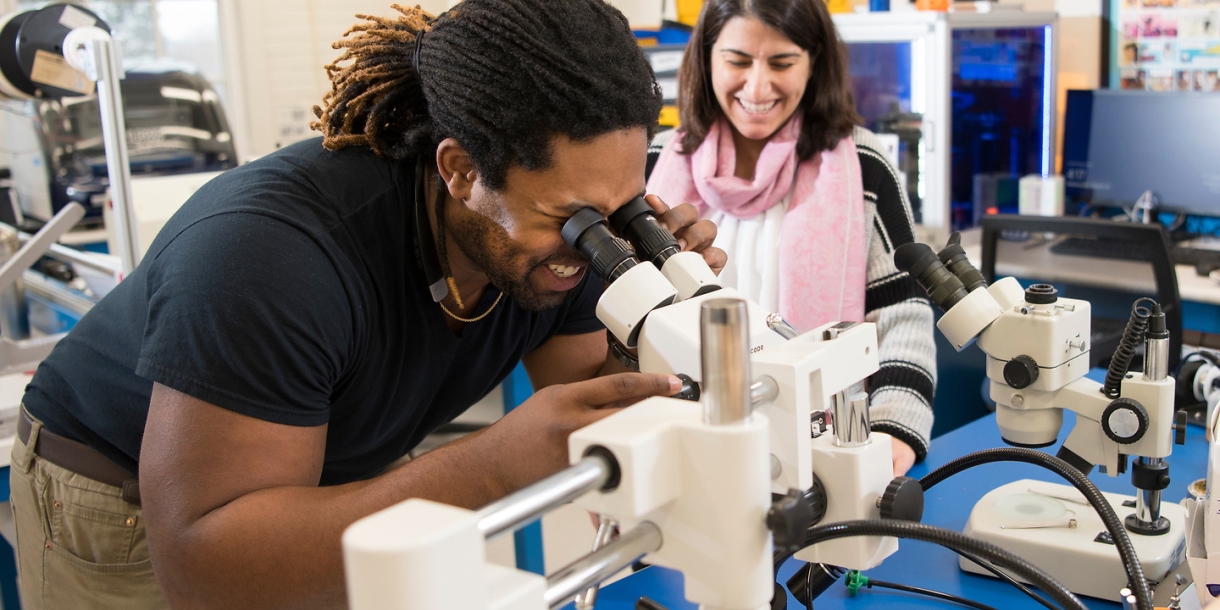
(1204, 260)
(1096, 247)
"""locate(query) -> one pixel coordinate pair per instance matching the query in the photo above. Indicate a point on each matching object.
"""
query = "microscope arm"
(1139, 424)
(1087, 442)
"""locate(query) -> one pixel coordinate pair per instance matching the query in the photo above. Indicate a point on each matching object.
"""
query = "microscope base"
(1031, 519)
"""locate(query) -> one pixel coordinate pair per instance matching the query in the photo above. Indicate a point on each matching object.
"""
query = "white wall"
(275, 50)
(641, 14)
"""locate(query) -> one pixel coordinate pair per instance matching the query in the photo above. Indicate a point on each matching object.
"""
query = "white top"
(753, 267)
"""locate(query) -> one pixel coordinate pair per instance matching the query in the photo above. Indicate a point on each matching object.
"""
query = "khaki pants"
(79, 544)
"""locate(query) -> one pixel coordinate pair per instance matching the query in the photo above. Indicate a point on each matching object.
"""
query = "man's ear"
(456, 169)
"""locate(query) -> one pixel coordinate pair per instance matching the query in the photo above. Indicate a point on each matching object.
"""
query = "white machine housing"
(707, 487)
(421, 554)
(689, 274)
(1053, 527)
(669, 339)
(704, 486)
(809, 370)
(849, 475)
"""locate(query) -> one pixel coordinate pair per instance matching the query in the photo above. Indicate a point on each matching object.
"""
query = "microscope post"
(1150, 475)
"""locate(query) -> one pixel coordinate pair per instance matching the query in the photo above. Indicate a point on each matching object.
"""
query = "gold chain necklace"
(474, 319)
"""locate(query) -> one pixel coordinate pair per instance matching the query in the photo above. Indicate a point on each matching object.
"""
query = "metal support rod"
(607, 531)
(762, 391)
(601, 564)
(850, 419)
(118, 165)
(95, 53)
(65, 219)
(518, 509)
(1148, 501)
(1128, 600)
(1156, 359)
(726, 362)
(69, 255)
(778, 324)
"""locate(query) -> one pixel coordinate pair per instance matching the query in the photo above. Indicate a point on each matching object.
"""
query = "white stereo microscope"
(1037, 347)
(688, 481)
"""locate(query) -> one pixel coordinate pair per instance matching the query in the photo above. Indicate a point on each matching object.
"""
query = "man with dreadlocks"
(306, 319)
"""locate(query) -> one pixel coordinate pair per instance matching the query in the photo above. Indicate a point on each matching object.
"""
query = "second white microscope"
(1037, 349)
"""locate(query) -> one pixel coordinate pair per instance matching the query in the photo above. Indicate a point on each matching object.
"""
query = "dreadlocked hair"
(375, 100)
(502, 77)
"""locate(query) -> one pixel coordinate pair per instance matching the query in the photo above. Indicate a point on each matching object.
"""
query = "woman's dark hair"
(827, 109)
(502, 77)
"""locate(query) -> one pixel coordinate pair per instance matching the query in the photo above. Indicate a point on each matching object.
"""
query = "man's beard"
(487, 244)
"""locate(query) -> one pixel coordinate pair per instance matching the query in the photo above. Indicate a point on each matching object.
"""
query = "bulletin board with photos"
(1168, 45)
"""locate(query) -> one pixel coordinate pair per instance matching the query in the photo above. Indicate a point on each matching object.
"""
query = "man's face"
(513, 235)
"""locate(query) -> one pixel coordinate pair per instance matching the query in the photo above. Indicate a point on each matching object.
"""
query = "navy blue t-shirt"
(288, 289)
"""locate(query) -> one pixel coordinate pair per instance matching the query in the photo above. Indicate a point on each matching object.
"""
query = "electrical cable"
(871, 582)
(952, 540)
(780, 558)
(1002, 575)
(807, 596)
(1126, 551)
(809, 586)
(1176, 223)
(1133, 334)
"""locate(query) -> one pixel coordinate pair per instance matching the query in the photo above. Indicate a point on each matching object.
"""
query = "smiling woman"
(807, 206)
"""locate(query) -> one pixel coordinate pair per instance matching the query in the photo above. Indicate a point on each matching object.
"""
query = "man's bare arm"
(235, 518)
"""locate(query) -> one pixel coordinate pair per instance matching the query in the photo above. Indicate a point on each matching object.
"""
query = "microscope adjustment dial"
(1125, 421)
(1020, 372)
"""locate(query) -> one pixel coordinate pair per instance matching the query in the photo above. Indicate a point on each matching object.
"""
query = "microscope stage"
(1052, 526)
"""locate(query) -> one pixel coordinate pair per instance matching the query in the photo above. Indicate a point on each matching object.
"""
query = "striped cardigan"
(900, 392)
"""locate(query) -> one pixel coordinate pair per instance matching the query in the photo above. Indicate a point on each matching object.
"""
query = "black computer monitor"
(1118, 144)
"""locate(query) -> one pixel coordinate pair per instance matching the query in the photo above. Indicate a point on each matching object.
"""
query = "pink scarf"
(822, 252)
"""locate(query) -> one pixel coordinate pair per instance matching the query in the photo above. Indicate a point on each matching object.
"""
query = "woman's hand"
(693, 234)
(904, 456)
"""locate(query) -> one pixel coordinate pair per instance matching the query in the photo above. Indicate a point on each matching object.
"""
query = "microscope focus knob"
(903, 499)
(1179, 427)
(1020, 372)
(1125, 421)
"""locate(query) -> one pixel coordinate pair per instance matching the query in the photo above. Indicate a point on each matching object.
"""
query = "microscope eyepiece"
(942, 286)
(610, 256)
(954, 258)
(637, 222)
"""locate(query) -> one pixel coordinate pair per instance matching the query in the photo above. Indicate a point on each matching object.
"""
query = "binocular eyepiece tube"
(609, 255)
(637, 222)
(947, 277)
(624, 304)
(643, 238)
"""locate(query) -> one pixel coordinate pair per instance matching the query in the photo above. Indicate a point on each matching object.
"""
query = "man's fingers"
(679, 218)
(716, 259)
(697, 237)
(658, 206)
(623, 387)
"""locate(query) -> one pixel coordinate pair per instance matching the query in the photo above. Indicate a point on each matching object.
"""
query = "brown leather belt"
(79, 458)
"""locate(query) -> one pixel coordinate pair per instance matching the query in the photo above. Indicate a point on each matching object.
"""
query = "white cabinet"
(967, 101)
